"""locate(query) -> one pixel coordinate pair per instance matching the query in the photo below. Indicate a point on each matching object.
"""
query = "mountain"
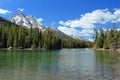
(58, 32)
(29, 21)
(26, 20)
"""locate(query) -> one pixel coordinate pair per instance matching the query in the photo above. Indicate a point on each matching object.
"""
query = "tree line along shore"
(107, 39)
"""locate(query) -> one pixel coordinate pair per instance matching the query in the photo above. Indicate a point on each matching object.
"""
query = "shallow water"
(64, 64)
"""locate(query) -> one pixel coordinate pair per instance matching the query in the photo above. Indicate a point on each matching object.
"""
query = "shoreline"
(99, 49)
(40, 49)
(21, 49)
(102, 49)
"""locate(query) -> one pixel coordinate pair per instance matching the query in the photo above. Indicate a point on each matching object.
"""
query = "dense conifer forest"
(107, 39)
(18, 37)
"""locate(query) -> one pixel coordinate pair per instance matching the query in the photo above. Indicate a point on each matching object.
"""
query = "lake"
(64, 64)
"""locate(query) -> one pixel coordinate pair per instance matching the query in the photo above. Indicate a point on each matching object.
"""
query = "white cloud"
(90, 39)
(21, 9)
(117, 15)
(89, 20)
(67, 30)
(87, 32)
(118, 29)
(3, 11)
(40, 20)
(72, 31)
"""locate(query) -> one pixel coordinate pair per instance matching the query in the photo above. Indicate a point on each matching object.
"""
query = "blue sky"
(73, 17)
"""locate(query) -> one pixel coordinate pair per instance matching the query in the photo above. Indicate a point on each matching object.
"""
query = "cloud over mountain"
(40, 20)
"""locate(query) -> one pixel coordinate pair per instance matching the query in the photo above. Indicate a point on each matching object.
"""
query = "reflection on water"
(65, 64)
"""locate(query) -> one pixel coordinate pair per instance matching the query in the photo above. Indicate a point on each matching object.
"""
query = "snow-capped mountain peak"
(26, 20)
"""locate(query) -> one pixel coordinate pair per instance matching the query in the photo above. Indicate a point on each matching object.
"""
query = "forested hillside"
(18, 37)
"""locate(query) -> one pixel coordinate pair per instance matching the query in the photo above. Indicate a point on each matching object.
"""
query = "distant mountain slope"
(58, 32)
(5, 22)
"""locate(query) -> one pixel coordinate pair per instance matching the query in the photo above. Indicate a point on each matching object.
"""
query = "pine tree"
(4, 39)
(40, 39)
(101, 38)
(21, 37)
(96, 44)
(106, 40)
(35, 37)
(10, 38)
(16, 40)
(113, 38)
(0, 37)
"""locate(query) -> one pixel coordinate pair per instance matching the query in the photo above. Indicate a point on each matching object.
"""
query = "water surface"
(64, 64)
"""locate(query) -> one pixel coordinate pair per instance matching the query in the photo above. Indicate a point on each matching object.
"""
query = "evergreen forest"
(107, 39)
(18, 37)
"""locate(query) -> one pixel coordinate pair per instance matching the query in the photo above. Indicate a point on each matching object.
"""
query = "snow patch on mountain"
(27, 21)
